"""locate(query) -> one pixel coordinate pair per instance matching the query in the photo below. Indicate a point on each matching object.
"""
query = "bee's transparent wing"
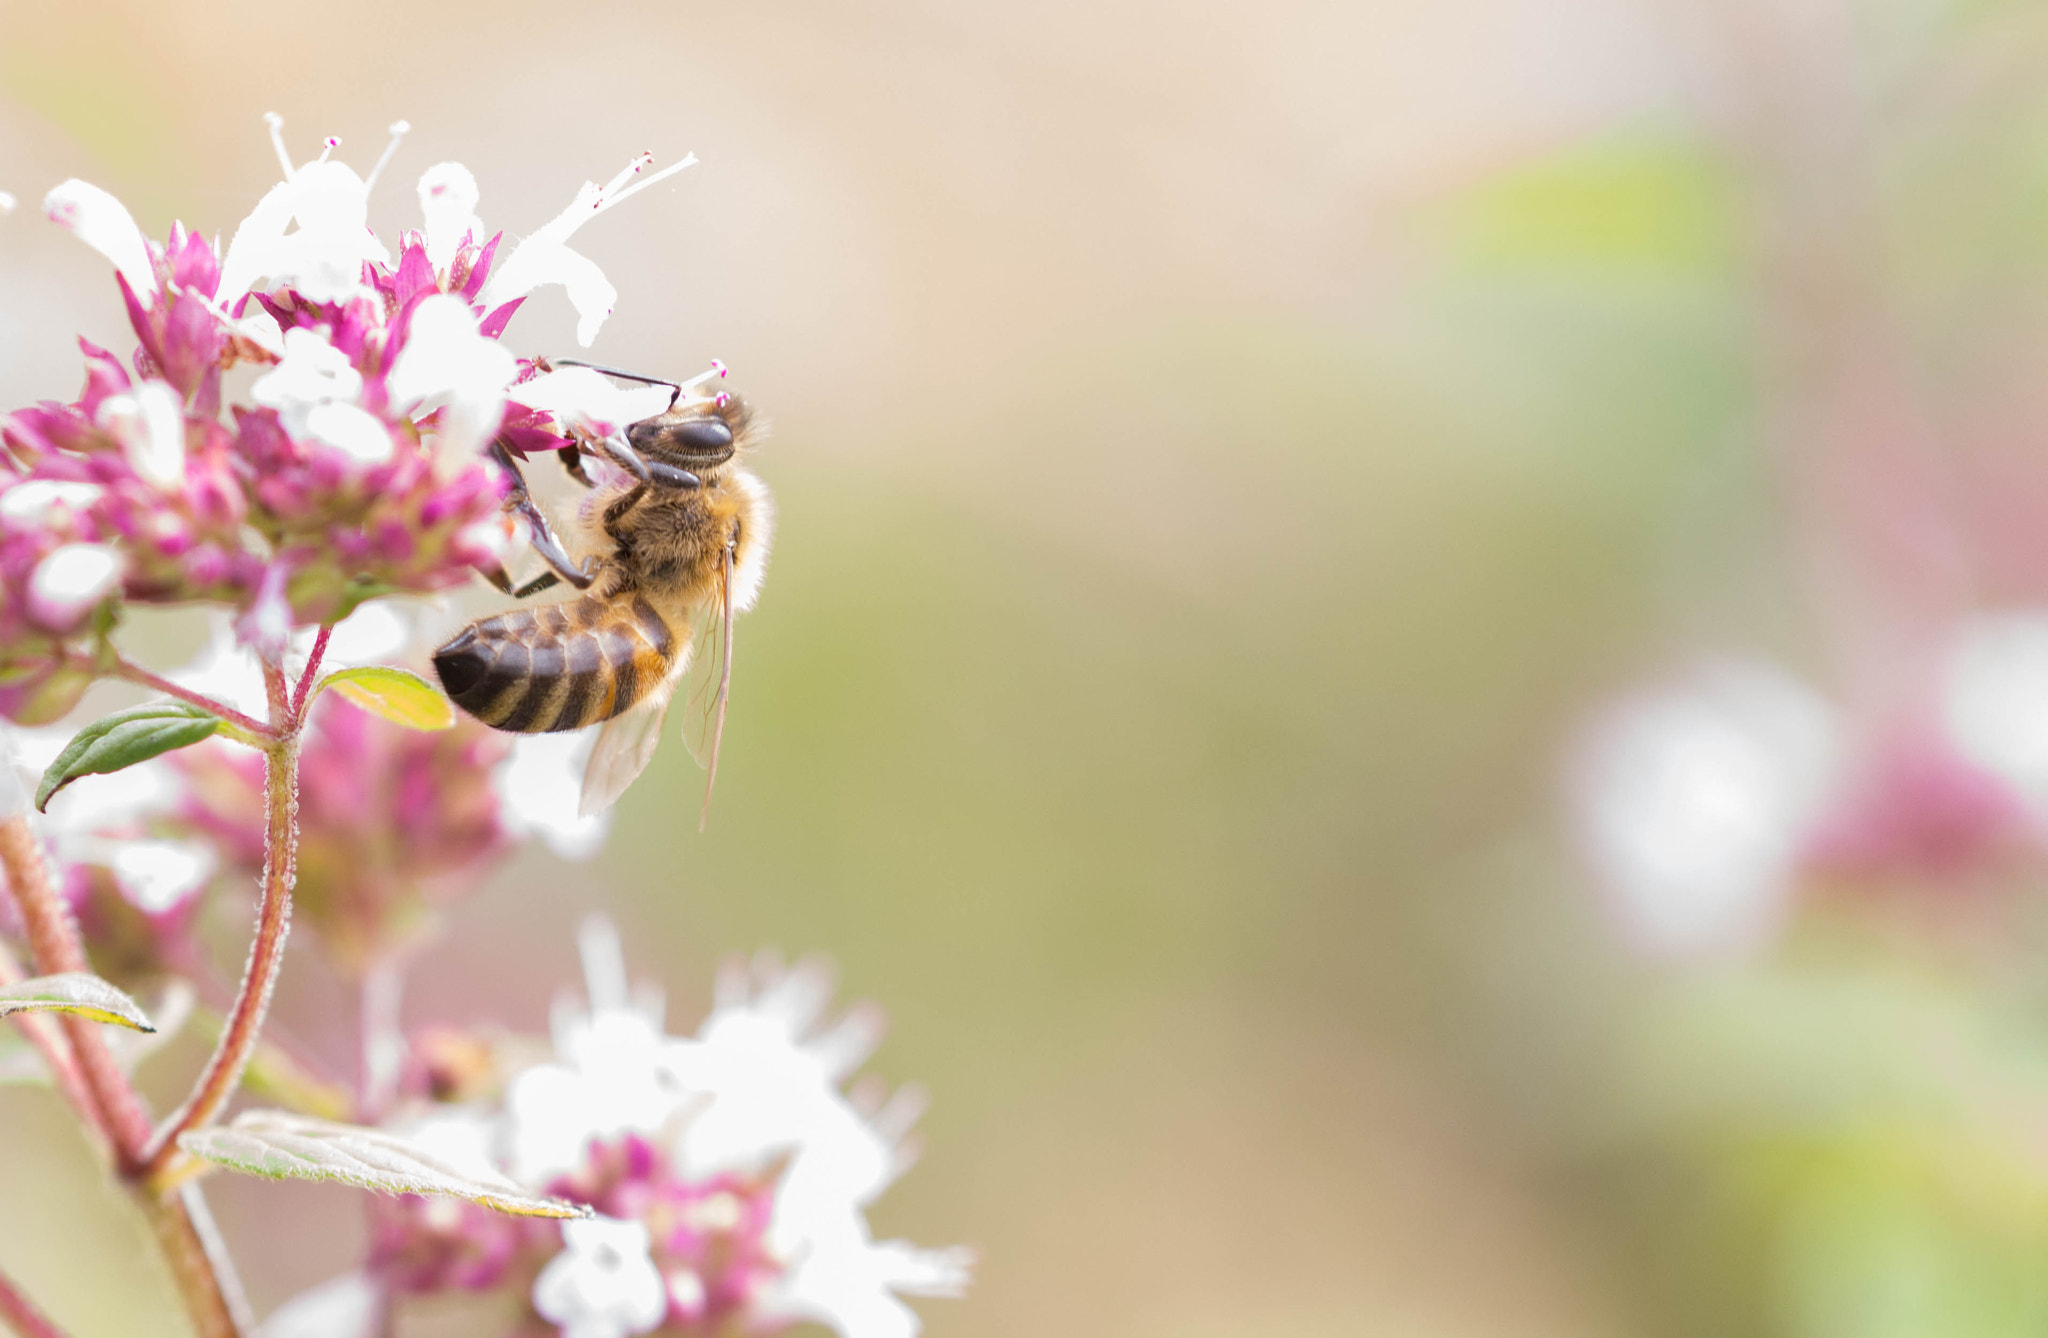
(626, 744)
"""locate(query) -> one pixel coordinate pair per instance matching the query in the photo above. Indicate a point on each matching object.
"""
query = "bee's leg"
(625, 456)
(546, 580)
(520, 502)
(616, 512)
(572, 464)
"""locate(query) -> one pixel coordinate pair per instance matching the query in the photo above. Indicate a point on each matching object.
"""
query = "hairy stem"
(223, 1071)
(20, 1315)
(110, 1102)
(306, 677)
(55, 946)
(135, 673)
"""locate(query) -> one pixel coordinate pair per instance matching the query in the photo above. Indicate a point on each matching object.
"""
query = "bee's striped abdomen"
(559, 666)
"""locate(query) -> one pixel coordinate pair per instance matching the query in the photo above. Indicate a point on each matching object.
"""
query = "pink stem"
(306, 678)
(135, 673)
(21, 1315)
(111, 1103)
(223, 1071)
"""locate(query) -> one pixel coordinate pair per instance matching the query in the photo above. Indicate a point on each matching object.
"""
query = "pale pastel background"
(1222, 450)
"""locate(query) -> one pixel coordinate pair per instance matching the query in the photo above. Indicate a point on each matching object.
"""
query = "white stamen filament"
(689, 160)
(399, 130)
(276, 124)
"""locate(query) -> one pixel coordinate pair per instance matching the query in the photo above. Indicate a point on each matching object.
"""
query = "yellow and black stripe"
(560, 666)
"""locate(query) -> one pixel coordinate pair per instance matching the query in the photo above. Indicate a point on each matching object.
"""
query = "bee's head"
(699, 435)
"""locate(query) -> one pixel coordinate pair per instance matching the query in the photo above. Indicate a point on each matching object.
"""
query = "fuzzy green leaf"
(402, 697)
(74, 992)
(282, 1146)
(125, 738)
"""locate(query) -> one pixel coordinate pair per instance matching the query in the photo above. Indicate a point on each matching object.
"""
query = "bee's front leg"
(521, 503)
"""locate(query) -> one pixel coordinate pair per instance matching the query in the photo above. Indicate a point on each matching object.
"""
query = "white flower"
(343, 1307)
(104, 223)
(446, 364)
(149, 422)
(539, 785)
(35, 499)
(6, 203)
(611, 1075)
(1995, 699)
(545, 257)
(323, 259)
(604, 1284)
(850, 1283)
(1692, 802)
(316, 391)
(757, 1091)
(448, 197)
(70, 581)
(581, 397)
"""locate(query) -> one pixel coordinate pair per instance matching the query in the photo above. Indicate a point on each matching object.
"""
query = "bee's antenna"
(624, 376)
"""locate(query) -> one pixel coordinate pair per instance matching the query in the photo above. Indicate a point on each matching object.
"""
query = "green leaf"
(282, 1146)
(125, 738)
(74, 992)
(400, 696)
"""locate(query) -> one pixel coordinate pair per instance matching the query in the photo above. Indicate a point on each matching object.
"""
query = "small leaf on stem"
(282, 1146)
(125, 738)
(74, 992)
(402, 697)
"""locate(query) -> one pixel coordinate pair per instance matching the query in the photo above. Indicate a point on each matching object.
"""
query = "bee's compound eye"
(702, 436)
(691, 439)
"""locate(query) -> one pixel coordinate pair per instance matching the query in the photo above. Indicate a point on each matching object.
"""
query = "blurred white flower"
(604, 1283)
(540, 786)
(150, 425)
(1693, 801)
(343, 1307)
(1995, 699)
(752, 1100)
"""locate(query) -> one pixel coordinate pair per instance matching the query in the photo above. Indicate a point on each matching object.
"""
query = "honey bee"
(678, 545)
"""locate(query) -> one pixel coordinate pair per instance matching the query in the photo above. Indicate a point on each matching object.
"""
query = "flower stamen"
(276, 124)
(399, 130)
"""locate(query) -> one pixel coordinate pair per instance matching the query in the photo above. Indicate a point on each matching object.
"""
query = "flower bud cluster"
(357, 466)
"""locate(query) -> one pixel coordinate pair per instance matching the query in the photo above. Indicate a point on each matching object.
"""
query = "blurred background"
(1405, 639)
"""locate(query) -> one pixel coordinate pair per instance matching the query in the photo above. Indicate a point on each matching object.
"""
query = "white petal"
(1693, 801)
(540, 260)
(313, 371)
(447, 364)
(344, 1307)
(352, 430)
(6, 202)
(33, 500)
(71, 580)
(104, 223)
(1995, 698)
(156, 875)
(448, 197)
(538, 786)
(581, 397)
(604, 1282)
(253, 254)
(150, 425)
